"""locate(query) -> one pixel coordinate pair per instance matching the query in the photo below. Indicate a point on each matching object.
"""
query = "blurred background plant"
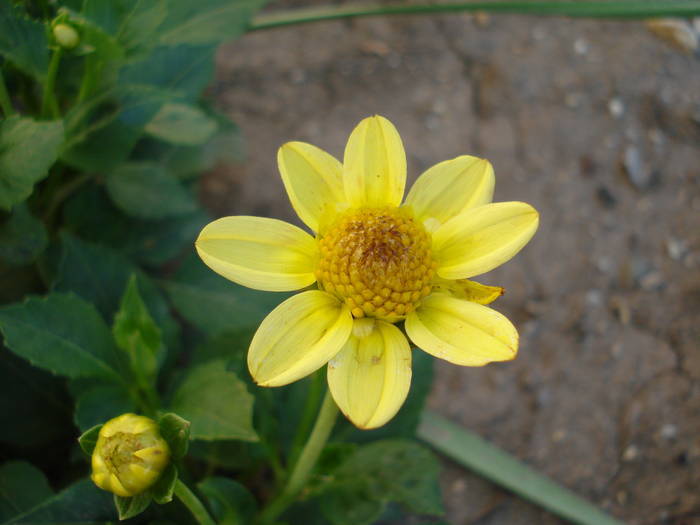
(106, 129)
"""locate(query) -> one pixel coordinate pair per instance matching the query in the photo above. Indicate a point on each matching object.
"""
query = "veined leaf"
(22, 486)
(27, 151)
(182, 124)
(23, 41)
(22, 237)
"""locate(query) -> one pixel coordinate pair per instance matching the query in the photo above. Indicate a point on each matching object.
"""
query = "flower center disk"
(378, 261)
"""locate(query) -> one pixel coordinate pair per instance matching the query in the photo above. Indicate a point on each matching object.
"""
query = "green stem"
(307, 418)
(49, 106)
(309, 456)
(5, 101)
(590, 9)
(187, 497)
(89, 76)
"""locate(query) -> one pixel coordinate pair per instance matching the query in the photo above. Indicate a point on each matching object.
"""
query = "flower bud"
(66, 36)
(129, 456)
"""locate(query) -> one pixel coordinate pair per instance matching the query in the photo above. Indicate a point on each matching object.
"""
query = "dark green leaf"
(91, 215)
(351, 503)
(182, 124)
(176, 432)
(391, 471)
(100, 403)
(146, 191)
(23, 42)
(231, 502)
(34, 406)
(22, 486)
(216, 402)
(63, 334)
(214, 304)
(207, 21)
(22, 237)
(180, 71)
(27, 151)
(101, 136)
(99, 275)
(130, 507)
(162, 490)
(136, 333)
(82, 502)
(88, 439)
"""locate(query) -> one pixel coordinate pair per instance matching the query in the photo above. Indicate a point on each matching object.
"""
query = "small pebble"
(638, 172)
(669, 431)
(631, 453)
(581, 46)
(616, 107)
(652, 281)
(676, 248)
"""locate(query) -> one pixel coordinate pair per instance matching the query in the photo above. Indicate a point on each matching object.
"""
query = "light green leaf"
(176, 432)
(23, 41)
(88, 439)
(148, 192)
(22, 237)
(130, 507)
(22, 486)
(100, 403)
(162, 490)
(27, 151)
(473, 452)
(63, 334)
(216, 402)
(82, 502)
(137, 334)
(231, 502)
(214, 304)
(207, 21)
(139, 25)
(181, 124)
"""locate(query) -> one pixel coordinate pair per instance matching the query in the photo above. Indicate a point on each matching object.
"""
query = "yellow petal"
(260, 253)
(469, 290)
(461, 332)
(298, 337)
(314, 182)
(450, 187)
(374, 164)
(370, 377)
(480, 239)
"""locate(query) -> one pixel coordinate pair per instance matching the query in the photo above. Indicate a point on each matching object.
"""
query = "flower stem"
(307, 460)
(188, 498)
(5, 102)
(310, 410)
(49, 106)
(591, 9)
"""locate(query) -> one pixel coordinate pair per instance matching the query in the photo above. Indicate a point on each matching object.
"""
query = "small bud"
(129, 456)
(66, 36)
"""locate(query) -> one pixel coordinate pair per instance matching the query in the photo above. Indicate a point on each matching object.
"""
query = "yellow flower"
(376, 262)
(129, 456)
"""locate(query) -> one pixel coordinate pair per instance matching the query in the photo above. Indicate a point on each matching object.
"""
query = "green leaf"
(88, 439)
(182, 124)
(471, 451)
(351, 504)
(82, 502)
(231, 502)
(91, 215)
(162, 490)
(216, 402)
(146, 191)
(215, 305)
(22, 486)
(99, 275)
(138, 26)
(389, 471)
(23, 42)
(63, 334)
(35, 408)
(176, 432)
(100, 403)
(22, 237)
(130, 507)
(180, 71)
(27, 151)
(207, 21)
(136, 333)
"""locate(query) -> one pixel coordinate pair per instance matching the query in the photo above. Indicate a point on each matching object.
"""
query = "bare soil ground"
(597, 124)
